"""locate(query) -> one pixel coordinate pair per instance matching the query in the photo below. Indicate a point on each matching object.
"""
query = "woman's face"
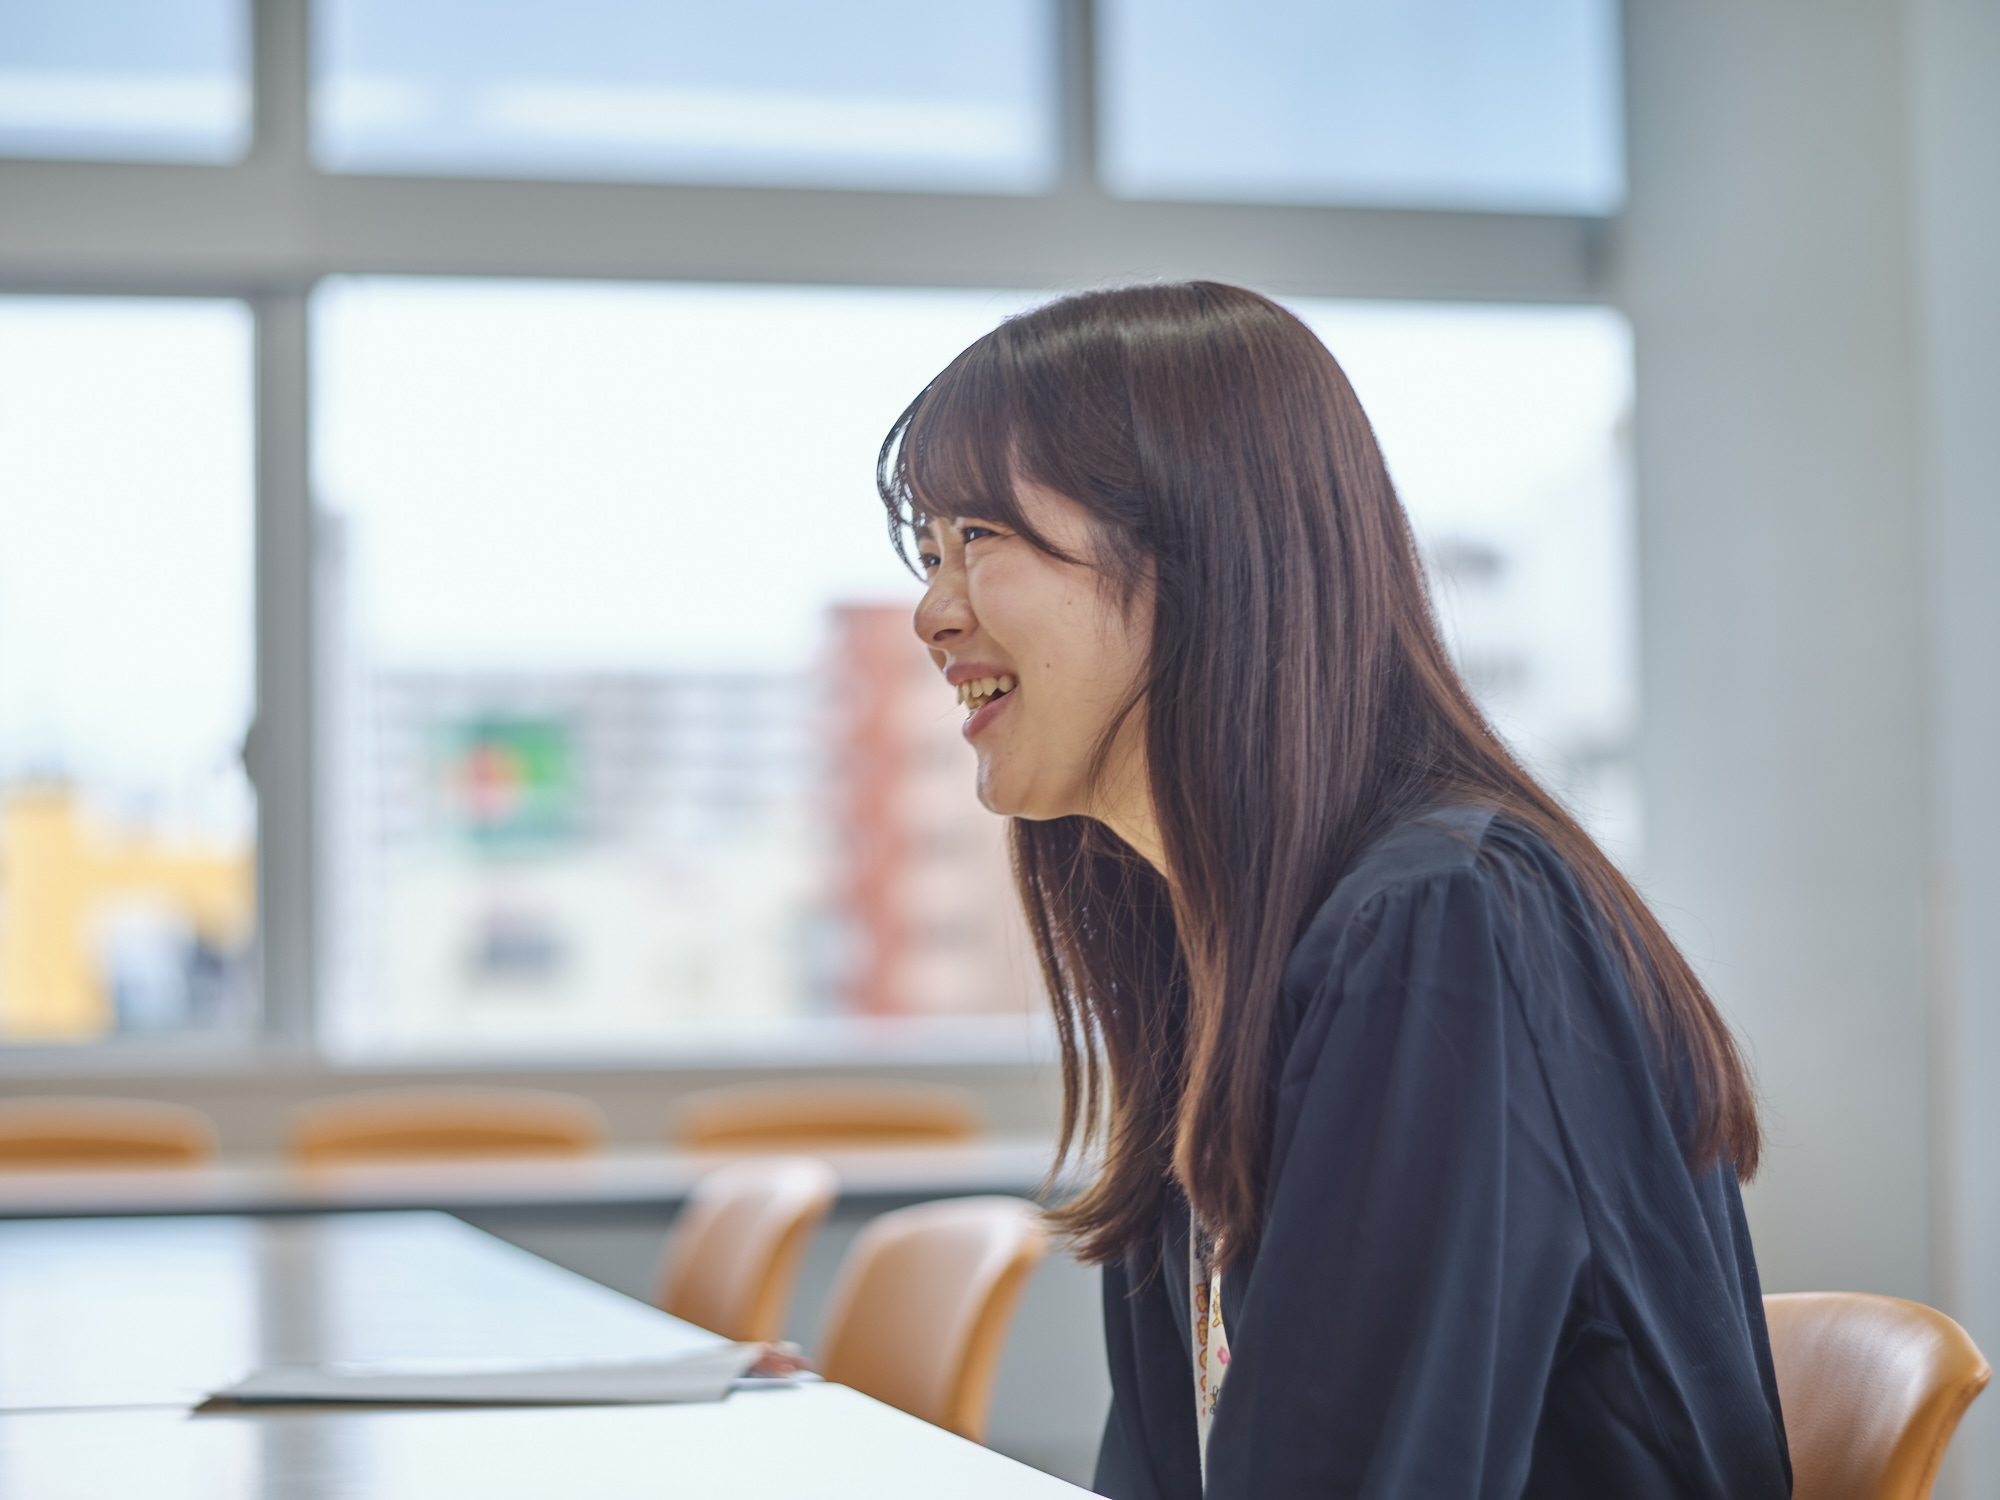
(1044, 655)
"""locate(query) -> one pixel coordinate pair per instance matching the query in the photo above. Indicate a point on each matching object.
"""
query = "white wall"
(1955, 155)
(1809, 263)
(1766, 268)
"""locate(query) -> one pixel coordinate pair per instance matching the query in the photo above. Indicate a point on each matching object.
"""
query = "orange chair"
(1872, 1389)
(412, 1124)
(825, 1115)
(55, 1132)
(736, 1247)
(920, 1312)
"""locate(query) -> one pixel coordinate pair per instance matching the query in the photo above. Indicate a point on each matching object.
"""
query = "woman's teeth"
(976, 694)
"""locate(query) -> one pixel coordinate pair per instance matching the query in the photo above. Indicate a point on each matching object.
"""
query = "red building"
(921, 870)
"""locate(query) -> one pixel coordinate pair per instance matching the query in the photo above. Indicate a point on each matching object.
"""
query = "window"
(1416, 104)
(636, 743)
(1507, 432)
(126, 80)
(126, 824)
(865, 94)
(542, 769)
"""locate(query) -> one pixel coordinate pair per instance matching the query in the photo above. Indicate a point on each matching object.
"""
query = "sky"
(125, 537)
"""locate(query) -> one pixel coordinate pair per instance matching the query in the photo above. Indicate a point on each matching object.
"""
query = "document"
(706, 1374)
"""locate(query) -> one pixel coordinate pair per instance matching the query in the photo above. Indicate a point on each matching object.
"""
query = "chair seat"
(736, 1247)
(1872, 1390)
(441, 1123)
(77, 1132)
(824, 1114)
(919, 1315)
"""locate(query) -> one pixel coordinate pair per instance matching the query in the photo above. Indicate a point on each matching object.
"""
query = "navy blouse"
(1485, 1268)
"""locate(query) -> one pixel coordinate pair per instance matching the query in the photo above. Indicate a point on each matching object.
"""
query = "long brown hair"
(1298, 701)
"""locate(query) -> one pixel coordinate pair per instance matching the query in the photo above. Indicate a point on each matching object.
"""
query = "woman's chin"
(1001, 794)
(995, 802)
(1038, 792)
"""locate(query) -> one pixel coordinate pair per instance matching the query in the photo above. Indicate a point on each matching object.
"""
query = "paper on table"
(699, 1375)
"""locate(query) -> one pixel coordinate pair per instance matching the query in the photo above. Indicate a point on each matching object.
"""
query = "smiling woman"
(1421, 1141)
(1047, 658)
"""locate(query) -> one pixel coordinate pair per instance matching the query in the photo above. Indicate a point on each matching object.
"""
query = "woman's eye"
(927, 560)
(974, 533)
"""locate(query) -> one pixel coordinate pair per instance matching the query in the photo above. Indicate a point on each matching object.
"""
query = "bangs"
(955, 449)
(1044, 398)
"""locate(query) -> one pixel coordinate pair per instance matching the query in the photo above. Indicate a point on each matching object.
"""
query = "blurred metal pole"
(281, 84)
(1077, 81)
(280, 754)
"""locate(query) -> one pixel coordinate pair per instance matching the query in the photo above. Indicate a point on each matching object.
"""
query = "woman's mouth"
(982, 697)
(981, 691)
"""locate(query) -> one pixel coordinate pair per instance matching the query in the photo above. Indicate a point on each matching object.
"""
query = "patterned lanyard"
(1211, 1339)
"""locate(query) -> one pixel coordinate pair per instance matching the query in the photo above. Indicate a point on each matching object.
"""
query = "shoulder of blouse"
(1428, 843)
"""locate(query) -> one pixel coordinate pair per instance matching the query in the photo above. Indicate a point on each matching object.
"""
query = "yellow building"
(58, 873)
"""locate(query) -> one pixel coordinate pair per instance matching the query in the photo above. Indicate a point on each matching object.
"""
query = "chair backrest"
(920, 1311)
(825, 1114)
(440, 1123)
(735, 1250)
(60, 1132)
(1872, 1389)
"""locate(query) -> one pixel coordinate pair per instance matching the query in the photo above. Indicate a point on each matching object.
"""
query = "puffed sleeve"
(1423, 1244)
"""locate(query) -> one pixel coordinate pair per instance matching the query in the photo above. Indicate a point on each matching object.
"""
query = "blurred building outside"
(576, 860)
(924, 889)
(1540, 628)
(103, 930)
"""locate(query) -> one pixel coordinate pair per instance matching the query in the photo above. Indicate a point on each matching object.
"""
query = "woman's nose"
(943, 612)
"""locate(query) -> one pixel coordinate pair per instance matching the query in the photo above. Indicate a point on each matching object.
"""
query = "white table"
(824, 1443)
(111, 1329)
(108, 1312)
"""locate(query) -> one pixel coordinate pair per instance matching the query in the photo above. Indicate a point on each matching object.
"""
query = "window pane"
(634, 741)
(126, 823)
(1507, 432)
(900, 94)
(1465, 104)
(125, 80)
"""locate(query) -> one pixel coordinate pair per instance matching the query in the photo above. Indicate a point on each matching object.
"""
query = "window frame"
(268, 228)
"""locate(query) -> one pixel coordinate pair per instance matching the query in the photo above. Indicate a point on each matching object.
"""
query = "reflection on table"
(106, 1312)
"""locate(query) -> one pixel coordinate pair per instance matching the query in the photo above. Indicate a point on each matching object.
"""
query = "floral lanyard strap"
(1211, 1339)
